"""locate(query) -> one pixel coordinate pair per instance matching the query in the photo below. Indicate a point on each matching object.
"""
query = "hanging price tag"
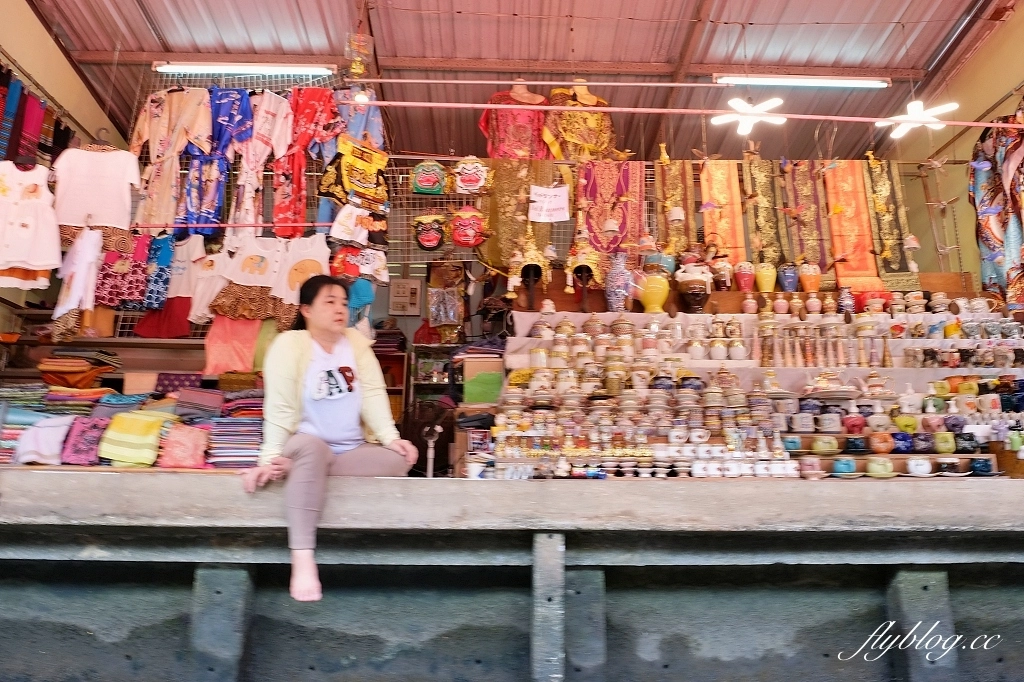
(549, 204)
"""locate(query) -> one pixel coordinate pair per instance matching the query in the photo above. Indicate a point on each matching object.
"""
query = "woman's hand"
(405, 449)
(257, 477)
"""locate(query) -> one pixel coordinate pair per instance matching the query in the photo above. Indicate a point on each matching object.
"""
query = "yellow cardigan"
(284, 371)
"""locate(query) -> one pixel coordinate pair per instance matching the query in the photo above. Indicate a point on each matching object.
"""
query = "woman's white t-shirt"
(332, 398)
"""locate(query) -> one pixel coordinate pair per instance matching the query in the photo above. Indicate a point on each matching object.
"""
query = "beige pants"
(306, 486)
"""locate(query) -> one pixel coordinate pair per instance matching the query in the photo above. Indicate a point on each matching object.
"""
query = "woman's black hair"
(310, 290)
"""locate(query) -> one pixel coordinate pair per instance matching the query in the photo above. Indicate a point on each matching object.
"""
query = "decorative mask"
(430, 177)
(429, 230)
(469, 227)
(472, 176)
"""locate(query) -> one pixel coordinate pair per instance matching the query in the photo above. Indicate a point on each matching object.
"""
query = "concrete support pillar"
(918, 603)
(547, 626)
(586, 647)
(221, 606)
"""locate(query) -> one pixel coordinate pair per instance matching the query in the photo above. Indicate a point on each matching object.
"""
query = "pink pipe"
(604, 84)
(219, 226)
(678, 112)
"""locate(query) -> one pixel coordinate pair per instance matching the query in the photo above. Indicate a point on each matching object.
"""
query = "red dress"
(313, 109)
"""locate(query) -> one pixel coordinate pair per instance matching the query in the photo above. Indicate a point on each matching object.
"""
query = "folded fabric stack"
(72, 371)
(68, 365)
(113, 403)
(27, 396)
(389, 341)
(251, 408)
(96, 358)
(234, 442)
(199, 403)
(183, 447)
(79, 401)
(15, 422)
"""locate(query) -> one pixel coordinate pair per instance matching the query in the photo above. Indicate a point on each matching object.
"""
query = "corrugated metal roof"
(873, 34)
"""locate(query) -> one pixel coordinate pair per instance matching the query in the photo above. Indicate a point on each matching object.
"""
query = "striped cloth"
(10, 109)
(46, 135)
(19, 120)
(31, 126)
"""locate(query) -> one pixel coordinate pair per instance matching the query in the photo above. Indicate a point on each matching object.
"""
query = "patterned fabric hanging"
(673, 189)
(769, 241)
(612, 197)
(722, 209)
(848, 219)
(887, 212)
(806, 212)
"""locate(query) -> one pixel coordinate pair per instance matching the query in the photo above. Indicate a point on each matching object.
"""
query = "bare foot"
(305, 584)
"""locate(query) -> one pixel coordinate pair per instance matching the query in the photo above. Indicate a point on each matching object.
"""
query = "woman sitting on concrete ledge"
(322, 385)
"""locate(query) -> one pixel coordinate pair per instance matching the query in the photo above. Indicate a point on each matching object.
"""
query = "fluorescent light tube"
(804, 81)
(245, 69)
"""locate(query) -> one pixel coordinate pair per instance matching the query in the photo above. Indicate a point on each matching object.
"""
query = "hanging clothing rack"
(64, 113)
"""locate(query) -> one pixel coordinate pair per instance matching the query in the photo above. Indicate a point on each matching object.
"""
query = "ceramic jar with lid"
(622, 327)
(601, 344)
(560, 344)
(579, 343)
(566, 327)
(541, 329)
(594, 326)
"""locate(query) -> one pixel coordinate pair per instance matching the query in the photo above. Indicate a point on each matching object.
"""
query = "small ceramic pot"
(824, 443)
(854, 423)
(924, 442)
(844, 465)
(881, 443)
(903, 443)
(945, 443)
(966, 443)
(856, 444)
(981, 465)
(879, 465)
(919, 466)
(906, 422)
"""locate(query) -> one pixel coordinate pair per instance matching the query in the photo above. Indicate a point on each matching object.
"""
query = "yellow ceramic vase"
(764, 277)
(655, 293)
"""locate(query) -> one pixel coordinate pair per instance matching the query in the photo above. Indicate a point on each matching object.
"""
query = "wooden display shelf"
(954, 284)
(117, 342)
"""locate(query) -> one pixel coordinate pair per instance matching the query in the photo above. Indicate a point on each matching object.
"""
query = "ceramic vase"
(616, 282)
(787, 276)
(694, 296)
(744, 276)
(764, 276)
(654, 293)
(846, 303)
(813, 303)
(810, 277)
(749, 304)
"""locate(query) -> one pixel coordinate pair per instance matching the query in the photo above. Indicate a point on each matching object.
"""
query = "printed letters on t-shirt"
(334, 383)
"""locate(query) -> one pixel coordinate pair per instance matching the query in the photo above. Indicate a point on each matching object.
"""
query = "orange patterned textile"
(849, 220)
(722, 208)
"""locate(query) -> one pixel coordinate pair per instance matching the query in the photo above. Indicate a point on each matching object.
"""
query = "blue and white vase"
(616, 283)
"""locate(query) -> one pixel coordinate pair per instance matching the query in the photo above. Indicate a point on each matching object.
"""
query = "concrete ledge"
(181, 500)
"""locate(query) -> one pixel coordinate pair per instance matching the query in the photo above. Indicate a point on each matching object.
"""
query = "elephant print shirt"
(256, 261)
(305, 258)
(185, 265)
